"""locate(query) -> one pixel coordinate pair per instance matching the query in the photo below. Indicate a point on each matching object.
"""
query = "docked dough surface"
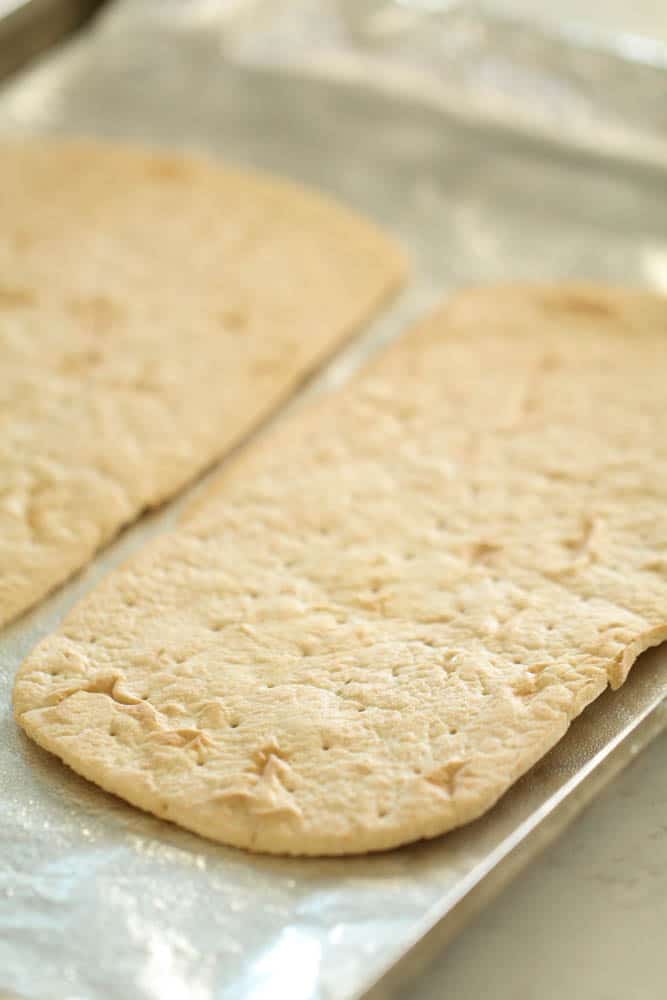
(153, 308)
(395, 604)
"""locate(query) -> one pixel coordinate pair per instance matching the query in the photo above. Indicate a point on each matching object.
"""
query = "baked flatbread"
(396, 604)
(153, 308)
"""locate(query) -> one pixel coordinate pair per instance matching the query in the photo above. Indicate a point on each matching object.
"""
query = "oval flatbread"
(394, 606)
(153, 309)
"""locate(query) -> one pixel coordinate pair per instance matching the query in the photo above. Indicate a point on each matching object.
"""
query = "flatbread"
(395, 606)
(153, 309)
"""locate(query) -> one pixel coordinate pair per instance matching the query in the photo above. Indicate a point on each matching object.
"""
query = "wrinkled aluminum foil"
(99, 901)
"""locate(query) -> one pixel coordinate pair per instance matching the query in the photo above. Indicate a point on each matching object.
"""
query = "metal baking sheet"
(28, 27)
(99, 901)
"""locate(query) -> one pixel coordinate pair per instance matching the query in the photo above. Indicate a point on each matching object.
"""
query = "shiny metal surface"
(28, 27)
(99, 901)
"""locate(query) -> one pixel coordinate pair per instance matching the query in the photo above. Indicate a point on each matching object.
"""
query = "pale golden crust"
(153, 308)
(397, 603)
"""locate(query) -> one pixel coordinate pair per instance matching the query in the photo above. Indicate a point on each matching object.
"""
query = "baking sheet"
(99, 901)
(28, 27)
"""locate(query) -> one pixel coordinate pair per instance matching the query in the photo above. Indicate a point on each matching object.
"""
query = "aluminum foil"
(98, 900)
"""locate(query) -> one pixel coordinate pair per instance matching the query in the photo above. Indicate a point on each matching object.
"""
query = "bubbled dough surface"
(395, 605)
(153, 308)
